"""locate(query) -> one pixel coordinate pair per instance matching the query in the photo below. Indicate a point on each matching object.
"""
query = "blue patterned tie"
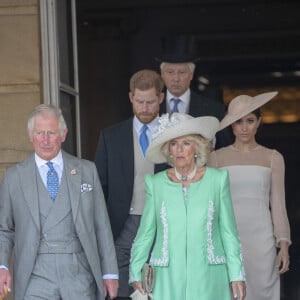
(52, 181)
(175, 106)
(144, 139)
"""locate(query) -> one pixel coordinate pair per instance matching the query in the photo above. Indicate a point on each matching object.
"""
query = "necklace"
(186, 177)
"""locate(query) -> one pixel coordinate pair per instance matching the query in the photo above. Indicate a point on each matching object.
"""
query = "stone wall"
(20, 76)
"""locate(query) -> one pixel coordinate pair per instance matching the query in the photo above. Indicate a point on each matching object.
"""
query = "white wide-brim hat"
(243, 105)
(177, 125)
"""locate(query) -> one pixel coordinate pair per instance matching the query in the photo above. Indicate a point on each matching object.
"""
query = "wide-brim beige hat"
(175, 125)
(243, 105)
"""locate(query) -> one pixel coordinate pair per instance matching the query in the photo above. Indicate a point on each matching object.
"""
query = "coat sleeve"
(103, 232)
(277, 199)
(229, 233)
(145, 236)
(7, 230)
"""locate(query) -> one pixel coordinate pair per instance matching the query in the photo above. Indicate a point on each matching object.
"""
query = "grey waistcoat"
(58, 233)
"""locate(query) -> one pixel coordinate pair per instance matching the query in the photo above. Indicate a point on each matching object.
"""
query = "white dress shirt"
(183, 105)
(137, 124)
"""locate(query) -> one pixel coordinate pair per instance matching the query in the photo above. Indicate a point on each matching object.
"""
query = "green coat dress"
(197, 251)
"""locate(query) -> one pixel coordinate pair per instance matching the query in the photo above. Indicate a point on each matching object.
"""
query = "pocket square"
(86, 187)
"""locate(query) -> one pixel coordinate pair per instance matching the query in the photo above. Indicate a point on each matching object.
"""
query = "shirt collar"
(58, 160)
(137, 124)
(185, 97)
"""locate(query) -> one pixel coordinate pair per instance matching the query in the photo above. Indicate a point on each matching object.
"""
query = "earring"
(171, 156)
(195, 155)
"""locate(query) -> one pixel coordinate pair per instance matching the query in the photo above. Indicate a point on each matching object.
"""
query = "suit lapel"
(127, 153)
(163, 106)
(197, 108)
(28, 172)
(73, 174)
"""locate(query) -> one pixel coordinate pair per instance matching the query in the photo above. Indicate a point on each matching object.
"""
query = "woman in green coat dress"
(188, 222)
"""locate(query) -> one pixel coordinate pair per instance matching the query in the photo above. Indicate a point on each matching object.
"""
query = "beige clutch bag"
(148, 277)
(137, 295)
(147, 284)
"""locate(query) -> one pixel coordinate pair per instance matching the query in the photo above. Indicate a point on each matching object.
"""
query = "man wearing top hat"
(177, 70)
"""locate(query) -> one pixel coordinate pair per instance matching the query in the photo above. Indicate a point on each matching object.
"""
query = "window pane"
(67, 104)
(65, 38)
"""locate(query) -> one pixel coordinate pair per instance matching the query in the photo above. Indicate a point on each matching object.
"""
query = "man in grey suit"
(53, 213)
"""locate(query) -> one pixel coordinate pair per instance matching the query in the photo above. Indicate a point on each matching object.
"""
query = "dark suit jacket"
(201, 106)
(115, 164)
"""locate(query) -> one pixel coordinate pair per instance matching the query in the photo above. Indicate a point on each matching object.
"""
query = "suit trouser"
(61, 276)
(123, 246)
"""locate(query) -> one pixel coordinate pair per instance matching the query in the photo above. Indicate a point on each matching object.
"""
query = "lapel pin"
(73, 172)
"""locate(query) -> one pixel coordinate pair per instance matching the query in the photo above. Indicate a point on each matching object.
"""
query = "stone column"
(20, 79)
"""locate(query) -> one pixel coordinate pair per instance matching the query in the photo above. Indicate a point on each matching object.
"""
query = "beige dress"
(257, 189)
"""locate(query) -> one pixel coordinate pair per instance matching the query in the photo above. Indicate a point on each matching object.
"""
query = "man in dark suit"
(120, 160)
(177, 71)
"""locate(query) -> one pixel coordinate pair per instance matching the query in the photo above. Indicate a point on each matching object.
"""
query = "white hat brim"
(204, 126)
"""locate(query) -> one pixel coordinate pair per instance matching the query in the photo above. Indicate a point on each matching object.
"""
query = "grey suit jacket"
(20, 224)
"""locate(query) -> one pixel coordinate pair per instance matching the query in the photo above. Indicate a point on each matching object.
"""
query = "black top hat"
(179, 49)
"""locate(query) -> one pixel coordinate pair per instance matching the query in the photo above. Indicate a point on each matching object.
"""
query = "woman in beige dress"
(256, 176)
